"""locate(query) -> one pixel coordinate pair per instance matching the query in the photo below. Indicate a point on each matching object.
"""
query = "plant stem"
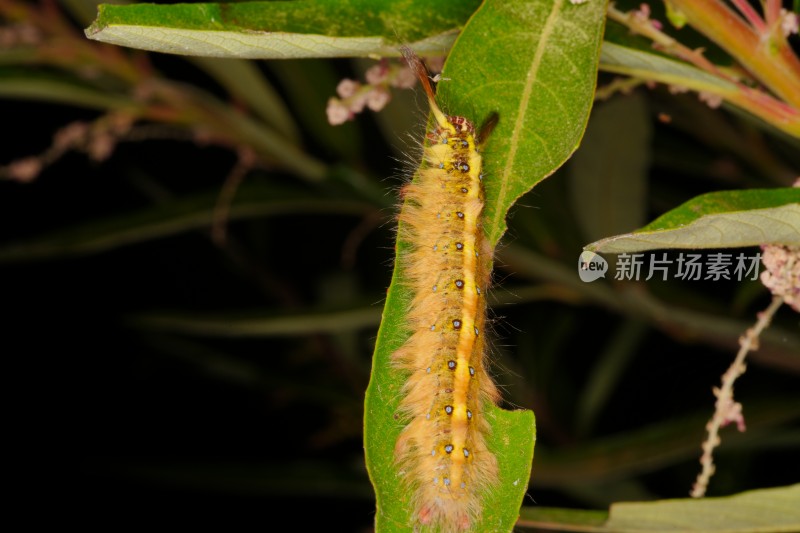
(663, 41)
(772, 11)
(750, 14)
(766, 55)
(726, 409)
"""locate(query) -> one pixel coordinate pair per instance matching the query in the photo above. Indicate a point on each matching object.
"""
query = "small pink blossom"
(377, 73)
(677, 89)
(782, 274)
(101, 146)
(789, 23)
(71, 135)
(377, 98)
(337, 112)
(641, 17)
(642, 14)
(354, 96)
(25, 170)
(732, 412)
(347, 88)
(711, 100)
(120, 124)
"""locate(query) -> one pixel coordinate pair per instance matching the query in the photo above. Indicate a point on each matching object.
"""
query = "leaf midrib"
(533, 71)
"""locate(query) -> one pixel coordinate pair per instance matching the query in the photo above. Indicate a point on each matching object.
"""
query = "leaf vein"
(541, 46)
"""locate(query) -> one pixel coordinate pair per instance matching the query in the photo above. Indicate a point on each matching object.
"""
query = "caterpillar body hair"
(442, 451)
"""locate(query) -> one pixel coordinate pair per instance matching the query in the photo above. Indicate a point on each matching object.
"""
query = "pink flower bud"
(347, 88)
(789, 23)
(377, 98)
(376, 74)
(711, 100)
(337, 112)
(25, 170)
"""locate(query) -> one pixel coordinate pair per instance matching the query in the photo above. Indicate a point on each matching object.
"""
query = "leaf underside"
(282, 30)
(758, 511)
(725, 219)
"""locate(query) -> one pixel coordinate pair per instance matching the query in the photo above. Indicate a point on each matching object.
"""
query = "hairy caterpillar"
(442, 451)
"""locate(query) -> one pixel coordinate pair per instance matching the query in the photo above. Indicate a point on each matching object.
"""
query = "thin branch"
(750, 14)
(219, 224)
(768, 56)
(772, 11)
(641, 24)
(728, 410)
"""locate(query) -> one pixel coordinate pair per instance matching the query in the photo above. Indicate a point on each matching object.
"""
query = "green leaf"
(540, 83)
(554, 518)
(652, 66)
(534, 63)
(648, 65)
(757, 511)
(725, 219)
(281, 30)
